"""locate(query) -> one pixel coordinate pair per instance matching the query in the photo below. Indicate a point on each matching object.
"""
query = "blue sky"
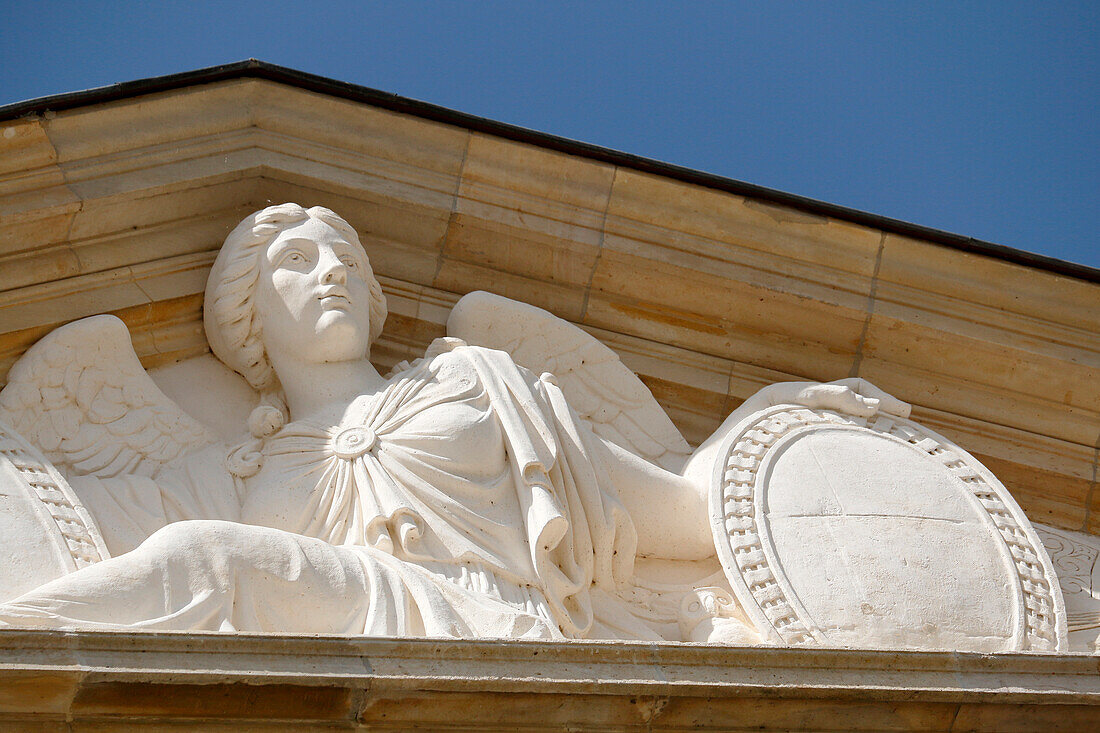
(978, 118)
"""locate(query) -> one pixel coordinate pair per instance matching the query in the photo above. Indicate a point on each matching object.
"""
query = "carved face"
(312, 297)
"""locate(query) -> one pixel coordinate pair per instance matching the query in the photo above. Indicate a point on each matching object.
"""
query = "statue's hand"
(851, 396)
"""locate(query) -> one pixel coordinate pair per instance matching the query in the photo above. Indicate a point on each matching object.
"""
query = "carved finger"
(886, 402)
(836, 397)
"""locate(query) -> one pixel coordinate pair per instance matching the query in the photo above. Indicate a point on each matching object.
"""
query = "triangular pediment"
(119, 203)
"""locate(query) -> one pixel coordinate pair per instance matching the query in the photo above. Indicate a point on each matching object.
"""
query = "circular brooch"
(350, 443)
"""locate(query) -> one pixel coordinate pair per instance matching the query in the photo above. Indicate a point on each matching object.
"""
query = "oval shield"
(843, 531)
(45, 532)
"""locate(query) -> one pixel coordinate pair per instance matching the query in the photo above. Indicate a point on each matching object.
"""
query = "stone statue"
(517, 481)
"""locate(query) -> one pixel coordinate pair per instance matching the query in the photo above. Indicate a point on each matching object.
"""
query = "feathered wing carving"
(597, 384)
(82, 397)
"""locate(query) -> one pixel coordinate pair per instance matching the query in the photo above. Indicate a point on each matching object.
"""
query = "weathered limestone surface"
(59, 681)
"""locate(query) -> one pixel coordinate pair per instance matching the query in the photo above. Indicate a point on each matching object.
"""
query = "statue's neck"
(323, 391)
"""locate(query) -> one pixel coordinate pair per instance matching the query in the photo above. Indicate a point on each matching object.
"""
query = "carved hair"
(233, 327)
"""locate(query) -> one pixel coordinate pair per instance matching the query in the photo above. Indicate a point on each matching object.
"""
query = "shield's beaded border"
(79, 539)
(739, 504)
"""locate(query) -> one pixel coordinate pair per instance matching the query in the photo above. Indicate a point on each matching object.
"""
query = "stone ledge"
(121, 676)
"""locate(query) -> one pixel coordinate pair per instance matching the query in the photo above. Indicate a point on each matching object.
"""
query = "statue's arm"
(670, 510)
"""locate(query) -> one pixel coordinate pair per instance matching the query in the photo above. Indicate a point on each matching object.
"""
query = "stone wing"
(601, 389)
(81, 396)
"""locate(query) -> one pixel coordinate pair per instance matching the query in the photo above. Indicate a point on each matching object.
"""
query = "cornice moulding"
(256, 69)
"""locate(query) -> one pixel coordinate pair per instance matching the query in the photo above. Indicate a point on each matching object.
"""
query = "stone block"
(217, 701)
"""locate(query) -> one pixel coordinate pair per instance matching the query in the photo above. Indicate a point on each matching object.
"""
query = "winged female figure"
(504, 485)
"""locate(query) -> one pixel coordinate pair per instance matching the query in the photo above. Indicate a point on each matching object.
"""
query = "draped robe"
(463, 499)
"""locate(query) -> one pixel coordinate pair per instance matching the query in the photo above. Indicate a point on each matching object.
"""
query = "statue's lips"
(334, 300)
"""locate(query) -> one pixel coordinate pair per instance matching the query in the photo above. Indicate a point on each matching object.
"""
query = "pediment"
(119, 206)
(969, 525)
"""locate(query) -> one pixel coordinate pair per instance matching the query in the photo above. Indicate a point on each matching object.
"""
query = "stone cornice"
(256, 69)
(128, 675)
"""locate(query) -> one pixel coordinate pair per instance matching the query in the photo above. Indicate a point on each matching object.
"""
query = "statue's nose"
(333, 271)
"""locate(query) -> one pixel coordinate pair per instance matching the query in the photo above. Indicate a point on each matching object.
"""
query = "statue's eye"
(295, 258)
(350, 263)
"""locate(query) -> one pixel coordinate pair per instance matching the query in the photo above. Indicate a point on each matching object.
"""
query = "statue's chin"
(338, 336)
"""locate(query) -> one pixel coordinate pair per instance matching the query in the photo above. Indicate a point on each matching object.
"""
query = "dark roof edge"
(253, 68)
